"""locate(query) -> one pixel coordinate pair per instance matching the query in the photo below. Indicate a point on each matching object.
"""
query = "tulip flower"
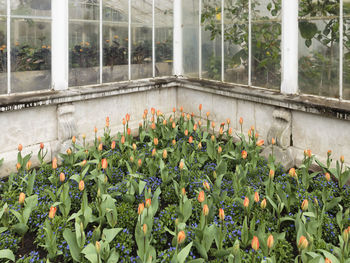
(104, 164)
(219, 150)
(228, 121)
(246, 202)
(181, 236)
(124, 121)
(260, 143)
(107, 122)
(155, 141)
(165, 154)
(62, 177)
(154, 152)
(292, 172)
(230, 131)
(206, 186)
(174, 109)
(100, 147)
(271, 174)
(69, 151)
(186, 132)
(139, 162)
(205, 210)
(81, 185)
(303, 243)
(41, 146)
(54, 163)
(273, 141)
(113, 145)
(305, 205)
(328, 177)
(327, 260)
(95, 129)
(74, 139)
(129, 131)
(122, 140)
(52, 212)
(199, 145)
(221, 214)
(140, 208)
(83, 163)
(181, 165)
(173, 125)
(173, 142)
(200, 107)
(28, 165)
(256, 197)
(131, 158)
(346, 235)
(183, 191)
(188, 117)
(208, 113)
(329, 152)
(201, 197)
(255, 243)
(164, 122)
(190, 140)
(144, 229)
(199, 123)
(18, 166)
(148, 202)
(181, 109)
(20, 147)
(270, 241)
(241, 121)
(244, 154)
(21, 198)
(127, 117)
(342, 159)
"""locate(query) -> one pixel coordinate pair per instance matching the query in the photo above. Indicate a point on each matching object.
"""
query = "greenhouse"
(175, 131)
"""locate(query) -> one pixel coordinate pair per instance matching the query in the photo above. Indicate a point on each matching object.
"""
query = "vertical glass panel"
(319, 48)
(190, 17)
(115, 40)
(236, 41)
(346, 59)
(266, 43)
(3, 7)
(211, 39)
(30, 54)
(37, 8)
(164, 37)
(3, 56)
(141, 39)
(84, 42)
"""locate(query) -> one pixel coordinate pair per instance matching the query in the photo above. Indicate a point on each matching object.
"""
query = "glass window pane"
(211, 39)
(3, 56)
(236, 41)
(346, 59)
(84, 42)
(3, 7)
(190, 20)
(266, 44)
(319, 48)
(141, 39)
(38, 8)
(30, 55)
(115, 40)
(164, 37)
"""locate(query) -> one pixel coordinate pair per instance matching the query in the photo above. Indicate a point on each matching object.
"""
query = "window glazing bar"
(200, 39)
(101, 41)
(129, 41)
(177, 39)
(153, 42)
(222, 41)
(341, 48)
(8, 29)
(249, 42)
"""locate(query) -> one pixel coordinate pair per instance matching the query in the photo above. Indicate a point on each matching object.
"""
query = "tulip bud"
(74, 139)
(190, 140)
(303, 243)
(246, 202)
(228, 121)
(255, 243)
(346, 235)
(154, 152)
(173, 125)
(181, 165)
(188, 117)
(342, 159)
(213, 125)
(84, 136)
(292, 172)
(134, 147)
(183, 191)
(199, 123)
(271, 174)
(144, 229)
(81, 185)
(181, 236)
(240, 120)
(273, 141)
(165, 154)
(186, 132)
(221, 131)
(28, 165)
(256, 197)
(206, 186)
(21, 198)
(98, 247)
(148, 202)
(249, 133)
(205, 210)
(139, 163)
(173, 142)
(41, 146)
(122, 140)
(18, 166)
(316, 202)
(54, 163)
(200, 107)
(113, 145)
(127, 117)
(124, 122)
(329, 152)
(83, 163)
(153, 125)
(195, 127)
(219, 150)
(20, 147)
(328, 177)
(230, 131)
(129, 131)
(214, 174)
(221, 214)
(62, 177)
(155, 141)
(95, 129)
(104, 164)
(52, 212)
(327, 260)
(140, 208)
(270, 241)
(69, 151)
(201, 197)
(100, 147)
(153, 111)
(305, 205)
(164, 122)
(174, 109)
(260, 143)
(131, 158)
(199, 145)
(244, 154)
(263, 204)
(213, 138)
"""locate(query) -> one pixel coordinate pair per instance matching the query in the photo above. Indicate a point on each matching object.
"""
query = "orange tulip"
(52, 212)
(205, 210)
(153, 126)
(100, 147)
(201, 197)
(131, 158)
(195, 127)
(327, 260)
(104, 164)
(129, 131)
(164, 122)
(260, 143)
(292, 172)
(81, 185)
(145, 111)
(208, 113)
(190, 140)
(153, 111)
(342, 159)
(199, 123)
(113, 145)
(173, 125)
(139, 163)
(230, 131)
(21, 198)
(140, 208)
(134, 147)
(255, 243)
(206, 185)
(95, 129)
(240, 120)
(256, 197)
(200, 107)
(219, 150)
(246, 202)
(153, 152)
(28, 165)
(74, 139)
(181, 109)
(213, 138)
(83, 163)
(249, 133)
(244, 154)
(144, 229)
(307, 153)
(263, 204)
(148, 203)
(273, 141)
(328, 177)
(186, 132)
(122, 139)
(107, 121)
(127, 117)
(221, 131)
(305, 205)
(41, 146)
(221, 214)
(18, 166)
(165, 154)
(271, 174)
(62, 177)
(303, 243)
(213, 125)
(69, 151)
(124, 122)
(183, 191)
(20, 147)
(155, 141)
(199, 145)
(181, 236)
(174, 109)
(181, 165)
(329, 152)
(188, 117)
(173, 142)
(54, 163)
(270, 241)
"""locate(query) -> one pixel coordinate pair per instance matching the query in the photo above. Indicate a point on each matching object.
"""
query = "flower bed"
(176, 193)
